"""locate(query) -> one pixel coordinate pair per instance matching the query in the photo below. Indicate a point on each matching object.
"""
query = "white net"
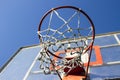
(69, 31)
(58, 38)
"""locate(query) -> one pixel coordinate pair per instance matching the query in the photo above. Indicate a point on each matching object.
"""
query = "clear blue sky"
(19, 20)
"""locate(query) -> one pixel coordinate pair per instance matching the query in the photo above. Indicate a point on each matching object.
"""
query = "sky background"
(19, 20)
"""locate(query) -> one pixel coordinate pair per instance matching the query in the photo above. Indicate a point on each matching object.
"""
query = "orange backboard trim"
(99, 60)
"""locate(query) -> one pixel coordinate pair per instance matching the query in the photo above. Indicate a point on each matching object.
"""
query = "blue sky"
(19, 20)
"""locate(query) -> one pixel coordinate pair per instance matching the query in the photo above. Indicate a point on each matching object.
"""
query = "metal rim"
(71, 7)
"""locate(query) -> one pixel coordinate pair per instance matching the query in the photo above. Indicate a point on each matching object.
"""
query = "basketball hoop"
(66, 33)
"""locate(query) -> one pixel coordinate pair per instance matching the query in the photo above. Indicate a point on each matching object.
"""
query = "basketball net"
(66, 48)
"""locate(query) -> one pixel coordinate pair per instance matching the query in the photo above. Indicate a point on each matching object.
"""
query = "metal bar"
(111, 45)
(111, 63)
(28, 72)
(117, 39)
(108, 64)
(41, 72)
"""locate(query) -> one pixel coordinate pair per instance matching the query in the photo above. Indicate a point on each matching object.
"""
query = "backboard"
(105, 61)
